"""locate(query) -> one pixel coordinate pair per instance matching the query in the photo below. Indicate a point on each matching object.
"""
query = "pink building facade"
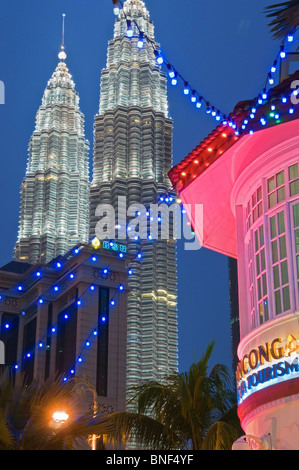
(248, 186)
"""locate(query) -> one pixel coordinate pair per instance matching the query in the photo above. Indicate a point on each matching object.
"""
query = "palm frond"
(6, 438)
(147, 431)
(220, 436)
(285, 18)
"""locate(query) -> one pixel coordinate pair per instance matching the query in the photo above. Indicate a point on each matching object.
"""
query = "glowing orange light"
(196, 161)
(210, 149)
(183, 173)
(224, 135)
(60, 416)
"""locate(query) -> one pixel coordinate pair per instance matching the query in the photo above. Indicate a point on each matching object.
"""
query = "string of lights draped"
(167, 198)
(264, 94)
(41, 343)
(198, 99)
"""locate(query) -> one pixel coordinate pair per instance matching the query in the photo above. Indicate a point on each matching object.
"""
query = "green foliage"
(284, 18)
(192, 410)
(26, 416)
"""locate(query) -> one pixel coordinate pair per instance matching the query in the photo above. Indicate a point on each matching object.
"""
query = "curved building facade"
(249, 187)
(267, 214)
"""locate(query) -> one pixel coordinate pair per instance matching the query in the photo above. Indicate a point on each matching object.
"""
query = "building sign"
(96, 243)
(274, 362)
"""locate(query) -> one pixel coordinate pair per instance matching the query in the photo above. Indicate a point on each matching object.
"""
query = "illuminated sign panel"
(274, 362)
(96, 243)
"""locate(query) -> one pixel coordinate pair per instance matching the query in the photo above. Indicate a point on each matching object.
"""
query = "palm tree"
(192, 410)
(285, 18)
(26, 416)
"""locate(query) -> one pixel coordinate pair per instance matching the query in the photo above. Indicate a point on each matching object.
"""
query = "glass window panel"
(280, 178)
(254, 199)
(293, 172)
(256, 240)
(258, 267)
(297, 240)
(264, 284)
(271, 184)
(276, 276)
(281, 228)
(261, 230)
(259, 288)
(296, 215)
(261, 312)
(281, 194)
(298, 267)
(286, 298)
(274, 252)
(284, 272)
(259, 193)
(266, 310)
(294, 187)
(282, 247)
(259, 209)
(272, 200)
(263, 261)
(277, 302)
(273, 227)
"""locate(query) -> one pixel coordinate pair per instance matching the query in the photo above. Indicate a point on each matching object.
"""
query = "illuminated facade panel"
(132, 157)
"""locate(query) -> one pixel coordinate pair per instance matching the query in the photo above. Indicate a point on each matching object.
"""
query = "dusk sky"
(224, 49)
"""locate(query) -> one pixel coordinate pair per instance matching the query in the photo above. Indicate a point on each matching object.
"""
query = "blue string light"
(174, 75)
(87, 343)
(41, 300)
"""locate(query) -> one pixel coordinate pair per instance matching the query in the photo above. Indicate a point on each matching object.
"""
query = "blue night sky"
(224, 49)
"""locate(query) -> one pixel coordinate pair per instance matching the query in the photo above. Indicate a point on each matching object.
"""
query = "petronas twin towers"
(132, 157)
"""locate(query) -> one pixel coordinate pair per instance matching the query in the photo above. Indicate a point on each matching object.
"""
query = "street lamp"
(60, 417)
(115, 7)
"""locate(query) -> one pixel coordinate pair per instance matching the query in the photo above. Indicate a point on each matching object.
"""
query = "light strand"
(200, 101)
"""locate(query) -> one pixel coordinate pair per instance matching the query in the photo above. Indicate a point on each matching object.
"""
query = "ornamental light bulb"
(186, 89)
(140, 42)
(129, 29)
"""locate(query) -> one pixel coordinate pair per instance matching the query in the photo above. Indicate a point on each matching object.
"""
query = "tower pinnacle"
(62, 55)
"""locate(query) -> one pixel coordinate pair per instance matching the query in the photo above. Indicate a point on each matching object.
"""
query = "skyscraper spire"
(62, 54)
(54, 209)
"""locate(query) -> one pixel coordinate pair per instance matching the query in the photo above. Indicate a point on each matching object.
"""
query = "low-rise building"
(68, 318)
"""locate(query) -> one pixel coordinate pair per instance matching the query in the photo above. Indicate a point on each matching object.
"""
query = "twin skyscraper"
(132, 158)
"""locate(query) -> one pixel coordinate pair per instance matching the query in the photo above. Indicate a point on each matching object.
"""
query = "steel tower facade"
(54, 207)
(132, 157)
